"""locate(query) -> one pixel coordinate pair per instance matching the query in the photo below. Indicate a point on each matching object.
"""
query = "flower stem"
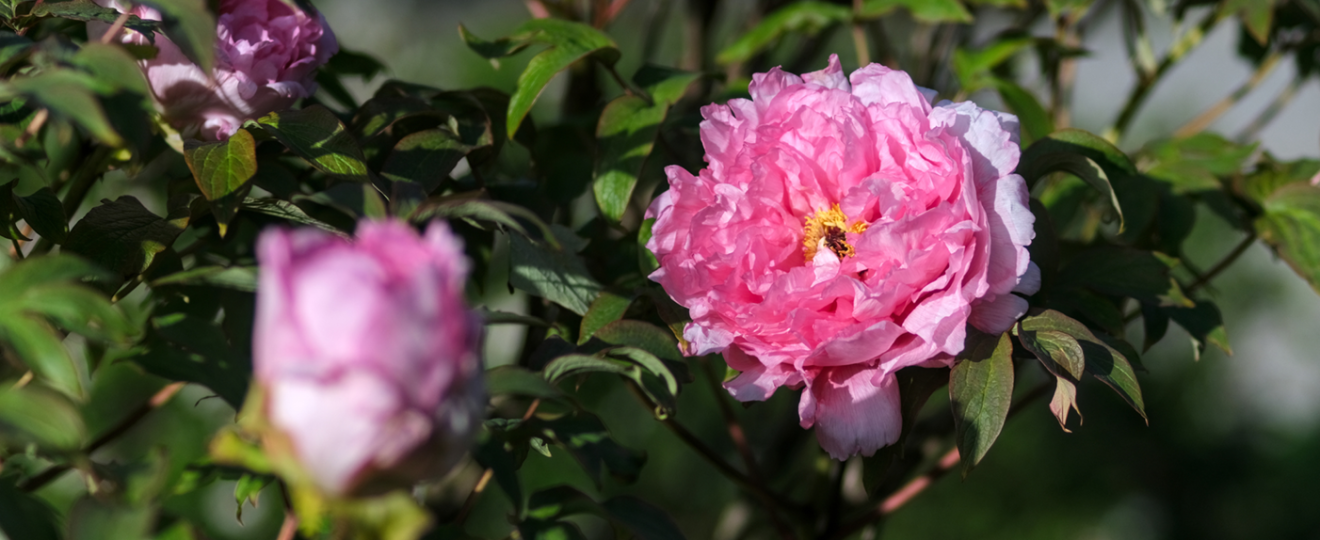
(1223, 263)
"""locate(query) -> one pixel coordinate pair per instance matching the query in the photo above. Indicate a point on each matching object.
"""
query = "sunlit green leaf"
(1291, 225)
(318, 136)
(626, 133)
(981, 391)
(222, 170)
(807, 17)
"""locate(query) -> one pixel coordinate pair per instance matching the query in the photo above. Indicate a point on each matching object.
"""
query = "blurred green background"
(1231, 446)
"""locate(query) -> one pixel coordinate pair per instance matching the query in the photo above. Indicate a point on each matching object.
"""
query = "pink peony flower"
(267, 53)
(367, 353)
(843, 230)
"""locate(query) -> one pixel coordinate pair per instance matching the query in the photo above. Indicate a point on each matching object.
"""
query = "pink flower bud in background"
(845, 229)
(367, 354)
(266, 57)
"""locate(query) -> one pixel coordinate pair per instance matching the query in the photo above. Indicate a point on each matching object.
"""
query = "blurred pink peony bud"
(367, 354)
(845, 229)
(266, 57)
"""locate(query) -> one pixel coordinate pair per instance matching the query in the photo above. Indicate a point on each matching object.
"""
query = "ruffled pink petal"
(875, 84)
(998, 315)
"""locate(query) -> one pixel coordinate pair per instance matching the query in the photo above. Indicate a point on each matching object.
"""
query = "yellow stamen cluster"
(831, 227)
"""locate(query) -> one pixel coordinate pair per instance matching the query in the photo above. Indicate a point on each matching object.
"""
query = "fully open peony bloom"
(267, 53)
(843, 230)
(367, 353)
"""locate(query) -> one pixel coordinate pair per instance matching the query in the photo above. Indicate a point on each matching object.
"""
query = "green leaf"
(190, 26)
(1059, 352)
(558, 275)
(42, 210)
(1291, 226)
(70, 94)
(807, 17)
(42, 350)
(1271, 174)
(1143, 275)
(605, 309)
(122, 236)
(585, 437)
(248, 489)
(637, 517)
(1195, 163)
(92, 519)
(642, 335)
(1103, 361)
(1081, 154)
(504, 380)
(113, 64)
(981, 392)
(651, 375)
(569, 42)
(222, 171)
(626, 133)
(425, 158)
(33, 415)
(187, 349)
(974, 68)
(1257, 16)
(26, 516)
(1035, 120)
(238, 278)
(927, 11)
(471, 210)
(646, 261)
(1204, 323)
(317, 135)
(88, 11)
(289, 212)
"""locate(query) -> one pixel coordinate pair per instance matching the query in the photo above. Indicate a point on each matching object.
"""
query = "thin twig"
(289, 529)
(1185, 44)
(472, 497)
(38, 120)
(161, 397)
(1203, 120)
(859, 36)
(1223, 263)
(118, 25)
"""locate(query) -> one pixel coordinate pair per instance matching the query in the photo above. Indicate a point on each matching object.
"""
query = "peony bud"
(267, 52)
(845, 228)
(367, 354)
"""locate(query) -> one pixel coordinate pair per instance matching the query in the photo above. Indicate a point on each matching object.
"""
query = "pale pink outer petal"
(341, 427)
(852, 415)
(830, 77)
(879, 85)
(998, 315)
